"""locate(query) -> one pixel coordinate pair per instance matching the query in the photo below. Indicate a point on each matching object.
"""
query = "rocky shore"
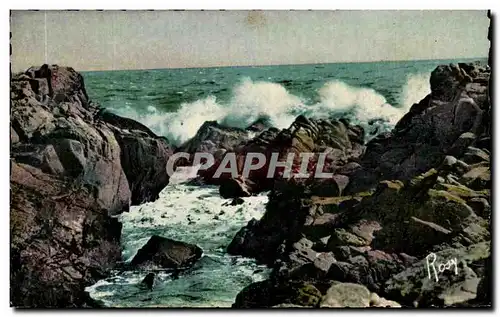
(403, 222)
(364, 237)
(73, 167)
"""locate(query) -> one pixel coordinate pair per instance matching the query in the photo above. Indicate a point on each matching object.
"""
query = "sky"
(105, 40)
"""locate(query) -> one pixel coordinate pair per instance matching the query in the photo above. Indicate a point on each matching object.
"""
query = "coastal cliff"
(422, 189)
(73, 167)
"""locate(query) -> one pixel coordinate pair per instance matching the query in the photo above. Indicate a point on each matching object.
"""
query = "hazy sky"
(92, 40)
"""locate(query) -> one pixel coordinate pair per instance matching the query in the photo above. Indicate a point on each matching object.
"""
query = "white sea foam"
(252, 100)
(416, 88)
(193, 214)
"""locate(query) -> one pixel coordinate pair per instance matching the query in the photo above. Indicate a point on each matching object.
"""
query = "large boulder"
(166, 253)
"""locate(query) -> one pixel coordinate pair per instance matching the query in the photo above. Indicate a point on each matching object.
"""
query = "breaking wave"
(252, 100)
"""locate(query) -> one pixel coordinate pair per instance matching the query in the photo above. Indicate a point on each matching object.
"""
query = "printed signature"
(440, 267)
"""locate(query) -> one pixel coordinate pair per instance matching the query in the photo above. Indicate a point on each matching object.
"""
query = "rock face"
(340, 141)
(72, 167)
(423, 188)
(458, 104)
(166, 253)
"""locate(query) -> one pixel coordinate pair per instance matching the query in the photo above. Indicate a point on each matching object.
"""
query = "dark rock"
(149, 281)
(212, 136)
(166, 253)
(237, 201)
(474, 155)
(267, 294)
(234, 188)
(70, 171)
(259, 125)
(414, 287)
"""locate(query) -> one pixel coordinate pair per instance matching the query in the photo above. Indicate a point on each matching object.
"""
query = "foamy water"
(176, 102)
(191, 214)
(252, 100)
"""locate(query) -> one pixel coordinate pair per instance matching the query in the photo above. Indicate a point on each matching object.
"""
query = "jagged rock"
(423, 187)
(70, 171)
(212, 137)
(462, 143)
(481, 206)
(341, 237)
(259, 125)
(166, 253)
(444, 123)
(330, 187)
(417, 285)
(331, 137)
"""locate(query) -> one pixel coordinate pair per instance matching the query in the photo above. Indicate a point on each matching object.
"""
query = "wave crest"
(252, 100)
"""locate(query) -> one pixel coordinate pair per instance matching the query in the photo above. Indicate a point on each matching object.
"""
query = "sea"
(175, 102)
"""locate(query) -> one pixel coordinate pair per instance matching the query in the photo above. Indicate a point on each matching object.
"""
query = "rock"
(14, 137)
(303, 136)
(330, 187)
(166, 253)
(477, 178)
(267, 294)
(321, 226)
(377, 301)
(346, 295)
(237, 201)
(426, 134)
(342, 237)
(462, 143)
(414, 286)
(481, 206)
(144, 157)
(212, 136)
(235, 188)
(73, 166)
(259, 125)
(449, 161)
(474, 155)
(148, 281)
(288, 306)
(304, 262)
(348, 169)
(371, 268)
(415, 190)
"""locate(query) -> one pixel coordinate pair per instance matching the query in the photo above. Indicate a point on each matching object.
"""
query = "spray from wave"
(252, 100)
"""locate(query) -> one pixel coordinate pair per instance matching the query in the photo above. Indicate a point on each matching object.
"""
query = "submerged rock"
(149, 281)
(166, 253)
